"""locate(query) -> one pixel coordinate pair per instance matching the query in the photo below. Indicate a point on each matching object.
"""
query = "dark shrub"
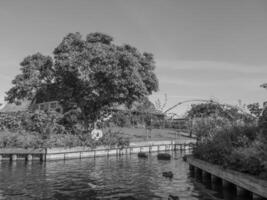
(239, 148)
(214, 152)
(263, 124)
(164, 156)
(20, 140)
(122, 119)
(142, 155)
(114, 138)
(245, 160)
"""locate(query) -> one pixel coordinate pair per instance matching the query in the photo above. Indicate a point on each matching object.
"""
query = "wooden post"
(216, 183)
(14, 157)
(206, 177)
(226, 184)
(29, 157)
(257, 197)
(198, 174)
(244, 194)
(192, 170)
(229, 190)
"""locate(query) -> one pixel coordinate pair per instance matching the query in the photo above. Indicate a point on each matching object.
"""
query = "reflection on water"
(100, 178)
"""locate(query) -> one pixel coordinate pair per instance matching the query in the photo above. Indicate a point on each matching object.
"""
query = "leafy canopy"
(90, 74)
(37, 72)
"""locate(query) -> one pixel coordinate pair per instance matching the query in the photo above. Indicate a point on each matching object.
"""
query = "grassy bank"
(140, 134)
(112, 136)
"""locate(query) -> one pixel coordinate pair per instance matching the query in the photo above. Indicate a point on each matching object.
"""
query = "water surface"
(99, 178)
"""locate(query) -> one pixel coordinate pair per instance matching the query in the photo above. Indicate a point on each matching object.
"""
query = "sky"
(203, 48)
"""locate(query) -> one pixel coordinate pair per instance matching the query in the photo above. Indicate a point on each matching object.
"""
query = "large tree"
(89, 74)
(37, 73)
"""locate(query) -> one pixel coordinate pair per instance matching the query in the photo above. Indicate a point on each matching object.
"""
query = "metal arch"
(207, 101)
(186, 101)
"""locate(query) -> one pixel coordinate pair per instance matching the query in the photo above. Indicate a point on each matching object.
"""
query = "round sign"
(96, 134)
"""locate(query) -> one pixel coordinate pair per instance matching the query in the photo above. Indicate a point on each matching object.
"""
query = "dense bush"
(206, 127)
(48, 129)
(114, 138)
(44, 123)
(20, 140)
(240, 148)
(121, 119)
(246, 160)
(24, 139)
(10, 121)
(39, 121)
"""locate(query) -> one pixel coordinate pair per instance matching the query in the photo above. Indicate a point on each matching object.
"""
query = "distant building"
(12, 107)
(30, 106)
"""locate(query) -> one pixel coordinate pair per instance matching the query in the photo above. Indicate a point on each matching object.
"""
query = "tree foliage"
(255, 109)
(264, 85)
(218, 110)
(91, 74)
(205, 110)
(37, 72)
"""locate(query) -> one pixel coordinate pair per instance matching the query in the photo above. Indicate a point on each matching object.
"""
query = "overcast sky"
(202, 48)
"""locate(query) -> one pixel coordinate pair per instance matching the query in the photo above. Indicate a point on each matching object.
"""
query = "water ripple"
(100, 178)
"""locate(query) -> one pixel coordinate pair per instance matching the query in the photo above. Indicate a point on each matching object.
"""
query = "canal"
(99, 178)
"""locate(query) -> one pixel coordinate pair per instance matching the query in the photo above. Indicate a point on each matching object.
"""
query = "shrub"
(45, 123)
(20, 140)
(10, 121)
(245, 160)
(63, 140)
(214, 152)
(205, 128)
(121, 119)
(236, 147)
(45, 129)
(114, 138)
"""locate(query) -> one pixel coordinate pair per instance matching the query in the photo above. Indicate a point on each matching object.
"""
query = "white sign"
(96, 134)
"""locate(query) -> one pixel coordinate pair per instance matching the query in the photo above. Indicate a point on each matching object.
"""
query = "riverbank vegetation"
(47, 129)
(88, 77)
(238, 143)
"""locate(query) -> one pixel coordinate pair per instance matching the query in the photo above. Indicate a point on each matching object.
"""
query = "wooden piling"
(29, 157)
(14, 157)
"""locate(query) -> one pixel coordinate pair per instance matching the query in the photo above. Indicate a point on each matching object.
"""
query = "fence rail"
(83, 152)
